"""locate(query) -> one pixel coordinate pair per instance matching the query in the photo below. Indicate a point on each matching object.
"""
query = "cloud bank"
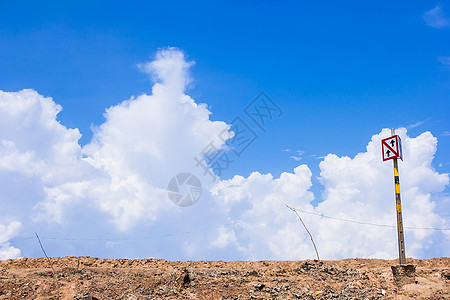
(115, 186)
(359, 188)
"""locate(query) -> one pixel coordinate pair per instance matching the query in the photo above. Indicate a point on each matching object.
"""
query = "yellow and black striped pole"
(398, 204)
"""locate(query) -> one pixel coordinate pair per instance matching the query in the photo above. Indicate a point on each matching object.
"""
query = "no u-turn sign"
(392, 148)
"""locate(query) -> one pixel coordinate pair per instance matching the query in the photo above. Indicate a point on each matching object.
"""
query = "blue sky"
(340, 71)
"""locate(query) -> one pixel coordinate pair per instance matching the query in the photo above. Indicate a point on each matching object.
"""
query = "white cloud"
(225, 238)
(298, 156)
(436, 17)
(6, 233)
(414, 125)
(146, 141)
(33, 143)
(445, 60)
(170, 69)
(359, 188)
(122, 175)
(126, 168)
(362, 189)
(117, 183)
(259, 201)
(36, 153)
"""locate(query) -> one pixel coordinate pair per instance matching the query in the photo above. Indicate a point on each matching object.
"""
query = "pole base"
(404, 274)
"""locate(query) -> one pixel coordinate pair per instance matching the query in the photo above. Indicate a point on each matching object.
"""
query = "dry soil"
(94, 278)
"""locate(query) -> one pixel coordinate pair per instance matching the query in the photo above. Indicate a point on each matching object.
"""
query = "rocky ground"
(94, 278)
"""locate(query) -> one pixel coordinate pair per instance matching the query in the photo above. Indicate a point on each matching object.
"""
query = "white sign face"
(388, 153)
(392, 142)
(392, 148)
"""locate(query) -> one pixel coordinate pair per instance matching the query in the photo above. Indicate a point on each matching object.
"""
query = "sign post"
(392, 149)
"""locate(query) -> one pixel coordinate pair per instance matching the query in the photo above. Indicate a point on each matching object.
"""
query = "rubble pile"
(85, 278)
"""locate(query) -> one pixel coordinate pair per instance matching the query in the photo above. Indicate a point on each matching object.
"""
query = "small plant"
(77, 270)
(46, 273)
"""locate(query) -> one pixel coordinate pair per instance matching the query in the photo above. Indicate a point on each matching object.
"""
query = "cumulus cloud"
(125, 170)
(37, 153)
(6, 233)
(121, 176)
(117, 184)
(146, 141)
(362, 189)
(170, 69)
(259, 201)
(359, 188)
(225, 238)
(436, 17)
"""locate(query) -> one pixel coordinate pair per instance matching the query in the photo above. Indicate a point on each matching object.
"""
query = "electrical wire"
(368, 223)
(232, 223)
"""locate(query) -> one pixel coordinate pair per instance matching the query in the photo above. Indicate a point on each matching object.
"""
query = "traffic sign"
(392, 148)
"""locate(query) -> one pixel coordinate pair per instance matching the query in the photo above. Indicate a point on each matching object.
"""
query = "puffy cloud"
(125, 170)
(36, 151)
(146, 141)
(48, 182)
(362, 189)
(37, 154)
(6, 233)
(359, 188)
(170, 69)
(33, 142)
(122, 175)
(225, 238)
(259, 202)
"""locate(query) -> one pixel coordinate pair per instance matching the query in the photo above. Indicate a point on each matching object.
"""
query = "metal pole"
(398, 202)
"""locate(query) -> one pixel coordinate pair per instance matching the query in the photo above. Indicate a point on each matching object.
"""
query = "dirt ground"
(94, 278)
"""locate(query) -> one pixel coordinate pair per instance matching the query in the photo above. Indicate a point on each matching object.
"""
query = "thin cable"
(228, 224)
(155, 236)
(369, 223)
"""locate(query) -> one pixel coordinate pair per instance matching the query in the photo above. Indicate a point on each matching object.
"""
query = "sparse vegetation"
(78, 270)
